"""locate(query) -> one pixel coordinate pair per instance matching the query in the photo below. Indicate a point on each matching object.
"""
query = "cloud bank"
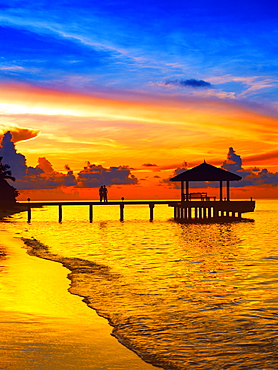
(43, 176)
(250, 177)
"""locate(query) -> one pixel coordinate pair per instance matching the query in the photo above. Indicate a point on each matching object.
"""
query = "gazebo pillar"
(221, 190)
(187, 190)
(182, 191)
(228, 190)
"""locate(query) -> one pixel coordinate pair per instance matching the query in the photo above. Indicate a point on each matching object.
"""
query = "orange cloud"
(18, 133)
(273, 155)
(131, 129)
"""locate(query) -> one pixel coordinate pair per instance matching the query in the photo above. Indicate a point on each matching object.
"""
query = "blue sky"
(88, 45)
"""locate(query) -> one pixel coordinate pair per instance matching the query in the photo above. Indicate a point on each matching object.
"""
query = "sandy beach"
(43, 326)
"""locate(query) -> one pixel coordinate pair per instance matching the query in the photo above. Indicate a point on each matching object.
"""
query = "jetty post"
(29, 215)
(151, 205)
(122, 206)
(90, 213)
(60, 213)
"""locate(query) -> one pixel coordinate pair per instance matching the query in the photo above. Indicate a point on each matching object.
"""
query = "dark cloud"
(196, 84)
(16, 161)
(93, 176)
(149, 165)
(35, 178)
(233, 162)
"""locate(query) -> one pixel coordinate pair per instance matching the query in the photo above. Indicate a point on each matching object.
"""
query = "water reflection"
(186, 296)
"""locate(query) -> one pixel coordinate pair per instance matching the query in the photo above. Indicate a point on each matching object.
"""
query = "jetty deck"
(184, 211)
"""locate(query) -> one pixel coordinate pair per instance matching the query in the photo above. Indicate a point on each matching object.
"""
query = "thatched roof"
(206, 172)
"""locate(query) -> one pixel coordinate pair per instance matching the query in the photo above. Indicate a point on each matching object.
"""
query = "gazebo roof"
(206, 172)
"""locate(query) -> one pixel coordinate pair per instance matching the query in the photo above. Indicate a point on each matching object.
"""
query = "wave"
(82, 276)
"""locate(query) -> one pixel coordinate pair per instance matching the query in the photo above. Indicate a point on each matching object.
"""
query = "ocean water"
(182, 296)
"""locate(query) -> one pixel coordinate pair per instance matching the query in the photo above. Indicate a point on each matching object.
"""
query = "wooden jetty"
(191, 211)
(196, 207)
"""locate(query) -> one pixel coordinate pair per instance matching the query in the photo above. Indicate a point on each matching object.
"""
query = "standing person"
(101, 193)
(105, 192)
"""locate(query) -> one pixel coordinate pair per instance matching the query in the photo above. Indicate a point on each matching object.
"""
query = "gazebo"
(205, 172)
(199, 207)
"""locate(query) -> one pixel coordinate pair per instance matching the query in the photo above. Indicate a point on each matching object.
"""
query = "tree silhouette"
(7, 192)
(5, 173)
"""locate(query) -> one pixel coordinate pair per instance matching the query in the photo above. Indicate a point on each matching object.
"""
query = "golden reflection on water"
(194, 296)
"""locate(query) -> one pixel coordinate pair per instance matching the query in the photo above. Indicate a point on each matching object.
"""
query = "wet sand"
(43, 326)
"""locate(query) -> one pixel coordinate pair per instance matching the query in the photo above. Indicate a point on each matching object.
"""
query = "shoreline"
(76, 265)
(43, 326)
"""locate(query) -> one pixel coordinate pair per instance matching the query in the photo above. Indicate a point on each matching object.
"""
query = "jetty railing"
(184, 211)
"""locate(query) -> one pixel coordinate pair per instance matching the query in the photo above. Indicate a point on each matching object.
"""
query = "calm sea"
(182, 296)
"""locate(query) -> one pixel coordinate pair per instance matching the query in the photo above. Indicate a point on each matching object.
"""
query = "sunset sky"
(139, 87)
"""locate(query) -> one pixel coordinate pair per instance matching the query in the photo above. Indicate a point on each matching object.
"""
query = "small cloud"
(149, 165)
(12, 68)
(195, 84)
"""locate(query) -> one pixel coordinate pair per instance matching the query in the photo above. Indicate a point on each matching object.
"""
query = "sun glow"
(75, 128)
(24, 109)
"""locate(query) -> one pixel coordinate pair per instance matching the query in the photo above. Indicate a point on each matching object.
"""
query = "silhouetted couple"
(103, 193)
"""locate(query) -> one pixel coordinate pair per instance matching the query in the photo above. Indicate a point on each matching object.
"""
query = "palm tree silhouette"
(5, 173)
(7, 192)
